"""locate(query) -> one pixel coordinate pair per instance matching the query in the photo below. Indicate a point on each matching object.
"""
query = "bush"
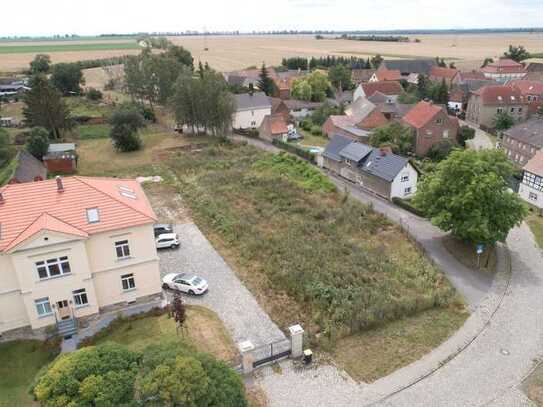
(94, 94)
(306, 124)
(402, 203)
(441, 150)
(37, 142)
(125, 138)
(292, 148)
(316, 130)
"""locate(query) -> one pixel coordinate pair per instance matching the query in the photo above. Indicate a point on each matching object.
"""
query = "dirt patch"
(256, 396)
(167, 203)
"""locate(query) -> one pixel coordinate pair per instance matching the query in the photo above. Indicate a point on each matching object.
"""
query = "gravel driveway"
(227, 295)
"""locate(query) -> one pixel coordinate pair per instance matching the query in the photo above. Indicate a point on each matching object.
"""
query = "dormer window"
(93, 215)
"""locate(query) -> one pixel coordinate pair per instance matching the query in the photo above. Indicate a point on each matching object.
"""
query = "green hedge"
(294, 149)
(402, 203)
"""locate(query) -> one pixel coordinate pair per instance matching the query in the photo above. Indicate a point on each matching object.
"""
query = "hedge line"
(294, 149)
(407, 206)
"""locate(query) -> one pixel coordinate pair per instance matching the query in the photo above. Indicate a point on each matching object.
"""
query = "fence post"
(246, 349)
(296, 341)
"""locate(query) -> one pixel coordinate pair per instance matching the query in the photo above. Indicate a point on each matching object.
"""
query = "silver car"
(186, 283)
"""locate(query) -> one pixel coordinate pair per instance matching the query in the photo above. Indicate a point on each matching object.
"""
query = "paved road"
(481, 139)
(227, 295)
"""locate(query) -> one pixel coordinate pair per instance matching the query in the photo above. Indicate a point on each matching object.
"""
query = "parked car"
(186, 283)
(167, 240)
(162, 228)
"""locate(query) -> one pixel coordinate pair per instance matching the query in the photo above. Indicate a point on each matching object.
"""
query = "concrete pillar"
(296, 340)
(246, 349)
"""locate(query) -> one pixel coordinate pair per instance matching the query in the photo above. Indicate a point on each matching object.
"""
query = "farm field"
(235, 52)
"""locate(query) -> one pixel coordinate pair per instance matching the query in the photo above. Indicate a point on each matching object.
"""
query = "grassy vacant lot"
(204, 330)
(81, 106)
(308, 253)
(82, 47)
(20, 361)
(310, 140)
(93, 131)
(536, 225)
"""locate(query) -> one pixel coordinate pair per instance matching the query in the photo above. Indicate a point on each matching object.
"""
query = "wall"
(60, 165)
(433, 133)
(524, 192)
(398, 187)
(517, 151)
(484, 115)
(12, 310)
(242, 119)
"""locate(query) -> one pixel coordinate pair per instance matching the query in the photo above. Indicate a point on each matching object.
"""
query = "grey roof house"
(375, 169)
(409, 66)
(251, 108)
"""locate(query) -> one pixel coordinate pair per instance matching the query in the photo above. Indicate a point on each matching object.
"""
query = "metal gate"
(271, 352)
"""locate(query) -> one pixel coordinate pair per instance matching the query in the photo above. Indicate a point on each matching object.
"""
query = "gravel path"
(227, 295)
(481, 139)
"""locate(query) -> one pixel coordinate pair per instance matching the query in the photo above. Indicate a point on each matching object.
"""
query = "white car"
(186, 283)
(167, 240)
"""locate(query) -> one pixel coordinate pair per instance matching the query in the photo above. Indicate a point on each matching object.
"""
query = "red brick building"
(430, 124)
(532, 91)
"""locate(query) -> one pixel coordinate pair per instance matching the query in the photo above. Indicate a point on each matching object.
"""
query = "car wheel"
(165, 286)
(173, 246)
(191, 292)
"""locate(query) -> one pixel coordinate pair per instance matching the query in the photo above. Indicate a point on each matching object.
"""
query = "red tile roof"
(27, 209)
(373, 120)
(278, 124)
(421, 114)
(473, 75)
(385, 87)
(384, 74)
(503, 65)
(457, 96)
(535, 165)
(527, 87)
(446, 73)
(499, 95)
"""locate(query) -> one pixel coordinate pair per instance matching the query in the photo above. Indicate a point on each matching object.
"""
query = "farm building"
(61, 158)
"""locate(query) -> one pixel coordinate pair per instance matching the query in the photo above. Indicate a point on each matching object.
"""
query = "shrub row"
(402, 203)
(294, 149)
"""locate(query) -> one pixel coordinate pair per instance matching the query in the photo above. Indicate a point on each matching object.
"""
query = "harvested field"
(235, 52)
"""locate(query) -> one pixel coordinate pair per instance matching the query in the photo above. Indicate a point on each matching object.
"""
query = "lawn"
(47, 48)
(21, 360)
(204, 330)
(12, 109)
(377, 353)
(311, 140)
(536, 225)
(81, 106)
(308, 253)
(93, 131)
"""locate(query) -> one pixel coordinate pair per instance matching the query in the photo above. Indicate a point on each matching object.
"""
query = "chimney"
(1, 198)
(385, 150)
(60, 187)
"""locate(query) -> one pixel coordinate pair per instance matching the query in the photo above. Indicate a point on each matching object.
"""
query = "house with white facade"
(375, 169)
(251, 108)
(71, 249)
(531, 187)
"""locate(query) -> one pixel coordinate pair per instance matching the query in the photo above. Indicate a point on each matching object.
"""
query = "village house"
(75, 248)
(503, 70)
(403, 69)
(462, 76)
(522, 141)
(485, 103)
(359, 76)
(276, 126)
(284, 82)
(27, 169)
(532, 91)
(531, 187)
(375, 169)
(366, 90)
(251, 108)
(456, 101)
(346, 126)
(439, 74)
(430, 125)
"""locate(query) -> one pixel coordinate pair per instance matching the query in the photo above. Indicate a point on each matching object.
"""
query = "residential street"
(481, 139)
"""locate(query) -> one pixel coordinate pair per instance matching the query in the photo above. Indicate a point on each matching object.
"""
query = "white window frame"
(124, 247)
(43, 304)
(93, 215)
(130, 282)
(407, 191)
(81, 298)
(405, 178)
(62, 263)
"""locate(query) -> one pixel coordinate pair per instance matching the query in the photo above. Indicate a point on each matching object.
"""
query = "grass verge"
(536, 225)
(21, 361)
(93, 131)
(466, 254)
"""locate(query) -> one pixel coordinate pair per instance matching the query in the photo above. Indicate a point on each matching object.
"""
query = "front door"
(63, 309)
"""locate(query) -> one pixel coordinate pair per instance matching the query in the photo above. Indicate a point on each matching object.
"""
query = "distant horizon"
(403, 31)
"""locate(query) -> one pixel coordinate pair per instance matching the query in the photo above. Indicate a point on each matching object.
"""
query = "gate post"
(296, 341)
(246, 349)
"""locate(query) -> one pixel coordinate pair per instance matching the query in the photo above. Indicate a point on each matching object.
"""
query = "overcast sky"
(87, 17)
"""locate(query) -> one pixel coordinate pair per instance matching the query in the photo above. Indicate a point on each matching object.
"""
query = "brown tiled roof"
(503, 65)
(384, 74)
(421, 114)
(534, 76)
(446, 73)
(499, 95)
(457, 96)
(473, 75)
(535, 165)
(278, 124)
(527, 87)
(373, 120)
(384, 87)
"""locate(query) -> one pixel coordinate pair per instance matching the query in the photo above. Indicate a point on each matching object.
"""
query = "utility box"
(296, 340)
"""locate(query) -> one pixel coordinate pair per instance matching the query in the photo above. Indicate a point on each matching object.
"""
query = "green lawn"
(93, 131)
(81, 106)
(310, 140)
(47, 48)
(20, 361)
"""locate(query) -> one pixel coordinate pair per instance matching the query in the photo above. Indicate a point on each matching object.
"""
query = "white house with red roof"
(503, 70)
(71, 248)
(531, 187)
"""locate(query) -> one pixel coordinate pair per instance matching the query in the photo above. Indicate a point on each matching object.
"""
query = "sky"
(90, 17)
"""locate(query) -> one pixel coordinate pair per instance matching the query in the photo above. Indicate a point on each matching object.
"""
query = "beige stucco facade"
(93, 267)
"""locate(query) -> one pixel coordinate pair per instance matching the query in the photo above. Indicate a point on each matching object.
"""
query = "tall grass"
(344, 263)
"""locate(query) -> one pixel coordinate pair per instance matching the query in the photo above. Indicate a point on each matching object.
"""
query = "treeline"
(329, 61)
(381, 38)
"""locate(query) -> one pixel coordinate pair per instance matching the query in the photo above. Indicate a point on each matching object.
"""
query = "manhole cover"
(504, 352)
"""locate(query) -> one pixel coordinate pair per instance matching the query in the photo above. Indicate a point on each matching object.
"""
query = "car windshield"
(196, 281)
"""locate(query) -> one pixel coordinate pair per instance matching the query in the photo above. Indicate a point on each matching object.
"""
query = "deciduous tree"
(395, 135)
(37, 142)
(340, 77)
(40, 64)
(517, 53)
(464, 134)
(503, 121)
(469, 196)
(67, 78)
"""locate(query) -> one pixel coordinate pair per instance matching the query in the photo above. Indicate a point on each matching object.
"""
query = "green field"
(43, 49)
